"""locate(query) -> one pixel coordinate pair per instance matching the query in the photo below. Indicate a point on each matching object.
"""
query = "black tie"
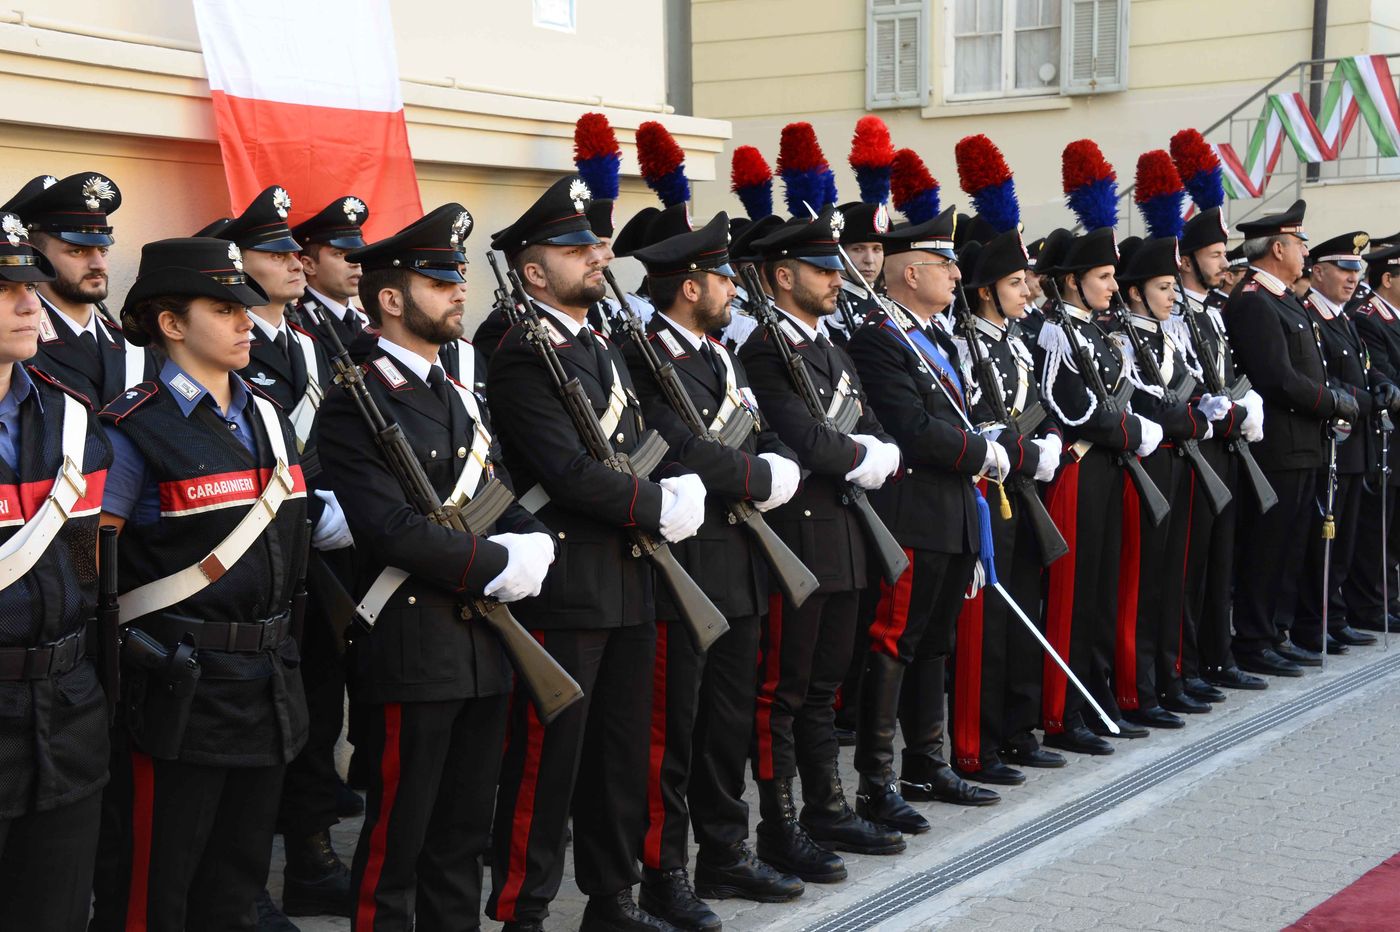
(89, 345)
(281, 341)
(437, 381)
(712, 358)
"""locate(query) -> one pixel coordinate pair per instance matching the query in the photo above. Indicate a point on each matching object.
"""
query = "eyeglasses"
(938, 265)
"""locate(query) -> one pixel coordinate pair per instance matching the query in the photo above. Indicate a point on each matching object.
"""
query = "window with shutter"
(896, 53)
(1004, 48)
(1095, 55)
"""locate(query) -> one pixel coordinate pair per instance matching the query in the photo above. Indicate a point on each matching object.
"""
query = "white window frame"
(901, 8)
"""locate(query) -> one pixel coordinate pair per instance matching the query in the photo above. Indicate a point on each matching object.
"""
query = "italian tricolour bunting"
(306, 95)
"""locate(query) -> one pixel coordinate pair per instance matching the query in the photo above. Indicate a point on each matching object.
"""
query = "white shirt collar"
(571, 327)
(1078, 313)
(335, 307)
(409, 359)
(268, 331)
(1196, 296)
(810, 332)
(1326, 302)
(73, 325)
(695, 341)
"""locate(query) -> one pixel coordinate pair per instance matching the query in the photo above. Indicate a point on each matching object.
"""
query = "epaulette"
(262, 393)
(47, 333)
(789, 330)
(1374, 302)
(388, 373)
(36, 372)
(669, 341)
(1277, 290)
(129, 400)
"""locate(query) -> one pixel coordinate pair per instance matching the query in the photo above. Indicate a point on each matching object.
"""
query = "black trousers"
(1270, 551)
(1362, 590)
(200, 842)
(1346, 510)
(1150, 587)
(1210, 563)
(803, 656)
(701, 726)
(1081, 588)
(46, 867)
(996, 666)
(428, 815)
(588, 764)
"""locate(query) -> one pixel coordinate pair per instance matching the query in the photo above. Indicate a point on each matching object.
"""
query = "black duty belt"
(232, 637)
(44, 661)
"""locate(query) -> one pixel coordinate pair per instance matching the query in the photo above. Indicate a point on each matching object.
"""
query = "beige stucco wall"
(764, 63)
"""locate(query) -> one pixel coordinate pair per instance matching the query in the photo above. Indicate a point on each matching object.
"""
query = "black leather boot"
(617, 912)
(668, 895)
(830, 821)
(880, 802)
(785, 844)
(877, 797)
(317, 883)
(735, 872)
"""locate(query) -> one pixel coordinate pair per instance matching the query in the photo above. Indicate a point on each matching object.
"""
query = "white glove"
(1210, 432)
(1051, 447)
(880, 461)
(1253, 426)
(1214, 407)
(331, 531)
(786, 476)
(996, 463)
(528, 560)
(682, 506)
(1151, 436)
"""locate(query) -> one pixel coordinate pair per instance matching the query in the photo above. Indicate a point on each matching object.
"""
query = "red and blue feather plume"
(915, 190)
(597, 155)
(985, 176)
(1091, 187)
(1159, 193)
(807, 177)
(752, 179)
(872, 154)
(663, 163)
(1199, 168)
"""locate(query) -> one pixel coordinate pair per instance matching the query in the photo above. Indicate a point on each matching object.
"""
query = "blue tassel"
(757, 200)
(1163, 214)
(985, 551)
(922, 207)
(1207, 188)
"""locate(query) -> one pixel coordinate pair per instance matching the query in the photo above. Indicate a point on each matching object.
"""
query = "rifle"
(500, 298)
(1216, 493)
(888, 553)
(550, 686)
(702, 620)
(793, 577)
(1263, 491)
(1047, 536)
(108, 619)
(1152, 498)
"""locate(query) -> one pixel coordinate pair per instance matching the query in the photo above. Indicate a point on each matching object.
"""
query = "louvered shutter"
(1094, 47)
(895, 53)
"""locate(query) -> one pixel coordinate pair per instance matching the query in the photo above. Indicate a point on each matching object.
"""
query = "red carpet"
(1370, 904)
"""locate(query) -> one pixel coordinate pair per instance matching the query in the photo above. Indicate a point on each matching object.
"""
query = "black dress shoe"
(348, 803)
(734, 873)
(942, 785)
(316, 882)
(1350, 636)
(270, 918)
(1310, 645)
(1235, 678)
(1292, 651)
(1376, 623)
(1198, 688)
(1184, 704)
(668, 895)
(880, 802)
(1034, 757)
(618, 913)
(1155, 717)
(996, 773)
(1268, 661)
(1125, 729)
(1079, 740)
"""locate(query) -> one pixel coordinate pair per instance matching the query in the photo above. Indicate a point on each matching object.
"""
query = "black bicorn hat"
(558, 218)
(430, 245)
(1126, 247)
(263, 224)
(702, 250)
(1152, 258)
(741, 248)
(1205, 229)
(339, 224)
(74, 209)
(600, 216)
(935, 235)
(1089, 251)
(1288, 221)
(816, 241)
(652, 225)
(213, 227)
(19, 260)
(973, 229)
(1048, 257)
(1386, 255)
(194, 267)
(1003, 255)
(865, 223)
(1344, 251)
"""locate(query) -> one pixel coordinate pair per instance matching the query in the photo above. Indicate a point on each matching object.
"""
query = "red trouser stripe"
(143, 798)
(524, 812)
(1129, 570)
(656, 807)
(768, 688)
(378, 839)
(892, 614)
(1186, 562)
(967, 724)
(1062, 501)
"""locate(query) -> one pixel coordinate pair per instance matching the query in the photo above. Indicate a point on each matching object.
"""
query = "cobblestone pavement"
(1249, 839)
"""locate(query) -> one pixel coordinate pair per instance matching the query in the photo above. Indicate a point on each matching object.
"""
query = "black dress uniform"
(206, 752)
(703, 704)
(98, 362)
(1085, 500)
(1276, 345)
(436, 686)
(864, 223)
(54, 749)
(339, 225)
(595, 615)
(805, 652)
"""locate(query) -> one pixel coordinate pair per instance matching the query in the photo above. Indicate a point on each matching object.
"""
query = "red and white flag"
(306, 95)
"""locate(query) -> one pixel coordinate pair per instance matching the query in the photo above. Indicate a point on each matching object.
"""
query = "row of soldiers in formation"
(761, 522)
